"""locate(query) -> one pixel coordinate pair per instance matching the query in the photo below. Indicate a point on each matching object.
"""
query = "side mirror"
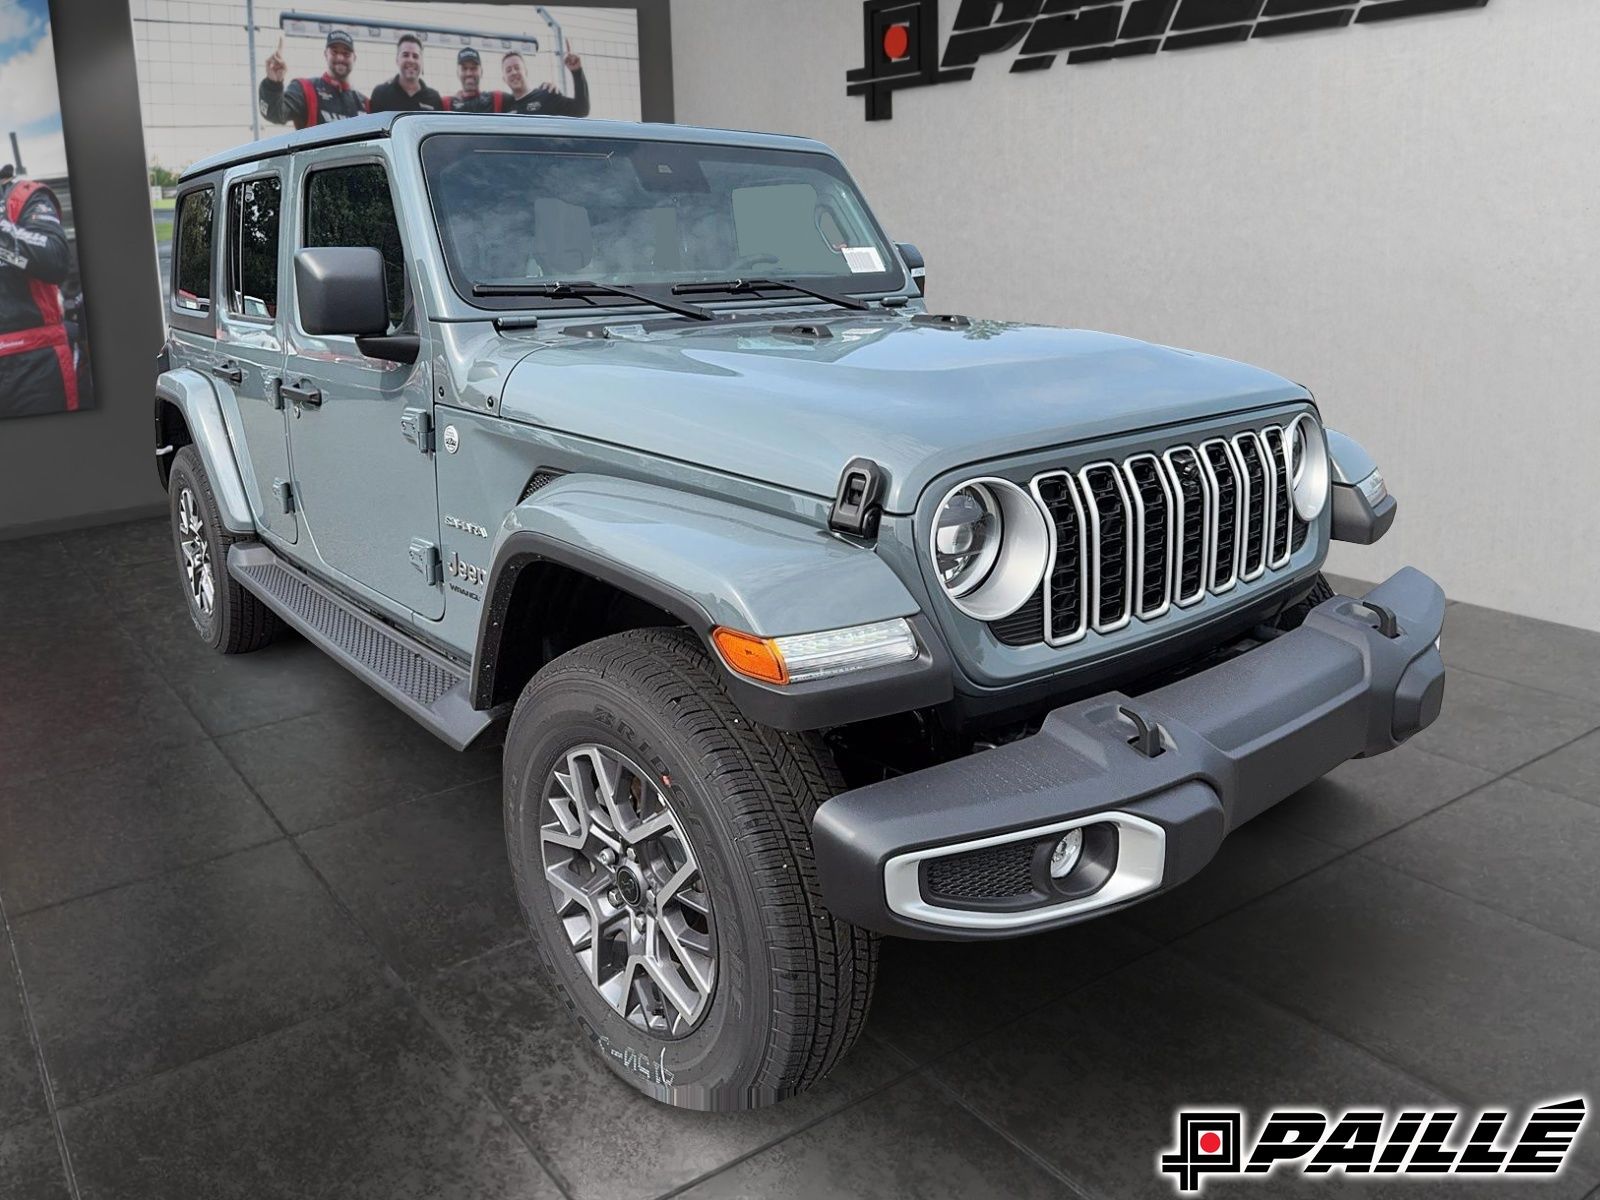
(342, 290)
(919, 271)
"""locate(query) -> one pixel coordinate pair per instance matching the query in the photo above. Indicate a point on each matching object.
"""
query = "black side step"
(425, 685)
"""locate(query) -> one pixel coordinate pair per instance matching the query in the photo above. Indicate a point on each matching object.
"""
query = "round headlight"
(989, 545)
(966, 538)
(1308, 467)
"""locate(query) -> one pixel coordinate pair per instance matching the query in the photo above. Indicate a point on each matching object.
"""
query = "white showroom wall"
(1403, 216)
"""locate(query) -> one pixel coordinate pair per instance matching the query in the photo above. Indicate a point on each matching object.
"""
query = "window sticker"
(862, 260)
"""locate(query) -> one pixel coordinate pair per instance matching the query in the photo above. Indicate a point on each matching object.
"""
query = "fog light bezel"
(1138, 869)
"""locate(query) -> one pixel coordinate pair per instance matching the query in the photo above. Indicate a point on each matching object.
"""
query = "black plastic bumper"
(1233, 741)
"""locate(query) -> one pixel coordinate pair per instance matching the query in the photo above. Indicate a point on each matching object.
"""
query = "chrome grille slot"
(1066, 608)
(1223, 472)
(1255, 505)
(1106, 502)
(1152, 535)
(1191, 502)
(1282, 507)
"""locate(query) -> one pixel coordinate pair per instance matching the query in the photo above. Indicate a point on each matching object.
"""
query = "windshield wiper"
(584, 288)
(769, 285)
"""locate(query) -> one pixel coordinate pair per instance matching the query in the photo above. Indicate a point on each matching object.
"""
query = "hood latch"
(859, 501)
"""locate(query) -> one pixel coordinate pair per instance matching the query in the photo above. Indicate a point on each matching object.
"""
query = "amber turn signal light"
(751, 656)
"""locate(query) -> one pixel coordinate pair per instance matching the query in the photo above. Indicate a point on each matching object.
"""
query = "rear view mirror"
(919, 272)
(341, 290)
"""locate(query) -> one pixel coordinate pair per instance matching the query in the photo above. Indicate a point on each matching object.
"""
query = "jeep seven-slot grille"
(1156, 532)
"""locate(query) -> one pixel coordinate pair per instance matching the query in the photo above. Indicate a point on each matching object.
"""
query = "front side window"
(351, 206)
(192, 290)
(253, 208)
(516, 209)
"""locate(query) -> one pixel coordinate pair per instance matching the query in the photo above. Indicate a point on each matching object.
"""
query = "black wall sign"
(901, 37)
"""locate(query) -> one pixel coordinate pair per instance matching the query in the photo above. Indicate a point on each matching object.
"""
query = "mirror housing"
(341, 291)
(919, 270)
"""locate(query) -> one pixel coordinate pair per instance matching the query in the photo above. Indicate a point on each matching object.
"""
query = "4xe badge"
(1309, 1142)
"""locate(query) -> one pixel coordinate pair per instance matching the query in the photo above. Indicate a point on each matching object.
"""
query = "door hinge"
(425, 558)
(283, 492)
(417, 426)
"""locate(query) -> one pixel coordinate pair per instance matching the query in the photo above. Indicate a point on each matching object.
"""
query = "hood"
(918, 399)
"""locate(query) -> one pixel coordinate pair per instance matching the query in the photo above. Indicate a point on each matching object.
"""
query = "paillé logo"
(902, 36)
(1312, 1143)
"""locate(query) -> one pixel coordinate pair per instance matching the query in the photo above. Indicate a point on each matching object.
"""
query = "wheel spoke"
(696, 966)
(678, 993)
(669, 890)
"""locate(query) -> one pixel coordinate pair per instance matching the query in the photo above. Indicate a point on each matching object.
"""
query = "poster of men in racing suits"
(44, 359)
(214, 74)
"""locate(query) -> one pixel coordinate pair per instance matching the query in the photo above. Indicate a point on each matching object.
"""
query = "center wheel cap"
(629, 885)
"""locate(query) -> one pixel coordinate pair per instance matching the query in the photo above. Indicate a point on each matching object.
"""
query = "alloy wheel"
(627, 889)
(197, 572)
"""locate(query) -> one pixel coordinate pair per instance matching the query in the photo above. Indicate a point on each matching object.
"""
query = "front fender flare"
(192, 395)
(710, 562)
(1355, 518)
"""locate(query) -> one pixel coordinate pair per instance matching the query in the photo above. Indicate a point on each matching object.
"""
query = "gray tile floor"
(260, 942)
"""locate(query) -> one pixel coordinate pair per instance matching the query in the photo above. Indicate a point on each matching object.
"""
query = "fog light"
(1066, 854)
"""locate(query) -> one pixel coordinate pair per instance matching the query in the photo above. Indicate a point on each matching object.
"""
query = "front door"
(364, 488)
(249, 350)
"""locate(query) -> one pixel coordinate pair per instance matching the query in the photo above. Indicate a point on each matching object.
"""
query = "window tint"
(350, 206)
(193, 253)
(253, 247)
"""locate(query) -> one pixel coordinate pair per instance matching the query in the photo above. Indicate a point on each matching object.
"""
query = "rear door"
(250, 347)
(364, 485)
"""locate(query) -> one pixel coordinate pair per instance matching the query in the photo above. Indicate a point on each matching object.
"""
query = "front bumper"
(919, 855)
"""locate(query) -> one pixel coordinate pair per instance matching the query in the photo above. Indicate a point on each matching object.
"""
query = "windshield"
(516, 209)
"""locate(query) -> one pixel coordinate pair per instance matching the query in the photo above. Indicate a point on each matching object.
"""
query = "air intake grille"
(1154, 532)
(1105, 499)
(993, 873)
(1278, 551)
(539, 479)
(1064, 614)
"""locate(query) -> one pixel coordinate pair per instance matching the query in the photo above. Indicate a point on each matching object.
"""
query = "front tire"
(661, 849)
(229, 618)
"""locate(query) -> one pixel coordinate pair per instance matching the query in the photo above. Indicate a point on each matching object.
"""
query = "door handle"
(302, 391)
(229, 370)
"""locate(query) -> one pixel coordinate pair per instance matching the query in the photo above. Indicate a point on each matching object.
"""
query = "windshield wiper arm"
(581, 288)
(765, 285)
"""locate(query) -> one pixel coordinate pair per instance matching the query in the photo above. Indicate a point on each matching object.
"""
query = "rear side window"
(351, 206)
(192, 285)
(253, 207)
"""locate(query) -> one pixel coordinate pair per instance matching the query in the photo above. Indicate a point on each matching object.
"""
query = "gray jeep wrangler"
(805, 615)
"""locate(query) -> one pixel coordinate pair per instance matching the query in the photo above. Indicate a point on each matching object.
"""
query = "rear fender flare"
(192, 395)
